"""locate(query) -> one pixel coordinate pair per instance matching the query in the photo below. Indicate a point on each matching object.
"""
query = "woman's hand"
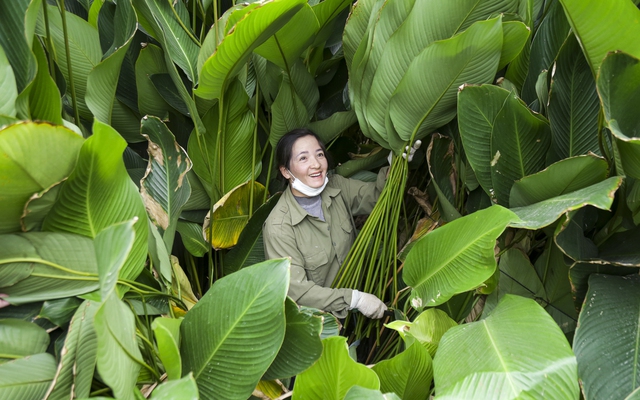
(411, 150)
(369, 305)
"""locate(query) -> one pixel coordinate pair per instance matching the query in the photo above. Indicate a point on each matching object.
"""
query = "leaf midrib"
(497, 352)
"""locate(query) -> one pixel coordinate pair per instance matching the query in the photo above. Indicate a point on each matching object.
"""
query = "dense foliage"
(136, 170)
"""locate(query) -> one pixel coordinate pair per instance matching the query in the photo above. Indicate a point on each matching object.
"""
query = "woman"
(312, 223)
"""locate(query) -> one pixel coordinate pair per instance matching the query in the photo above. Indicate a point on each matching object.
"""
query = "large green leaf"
(427, 329)
(180, 43)
(84, 50)
(100, 193)
(60, 311)
(164, 188)
(329, 128)
(286, 45)
(236, 47)
(43, 94)
(231, 215)
(56, 149)
(113, 245)
(516, 352)
(192, 238)
(78, 355)
(515, 35)
(301, 346)
(102, 81)
(618, 86)
(543, 213)
(456, 257)
(360, 393)
(519, 143)
(118, 356)
(245, 330)
(150, 62)
(249, 249)
(419, 106)
(59, 264)
(167, 333)
(603, 27)
(288, 112)
(442, 170)
(573, 104)
(8, 89)
(408, 374)
(224, 161)
(606, 341)
(560, 178)
(478, 107)
(333, 374)
(185, 389)
(20, 338)
(27, 378)
(16, 34)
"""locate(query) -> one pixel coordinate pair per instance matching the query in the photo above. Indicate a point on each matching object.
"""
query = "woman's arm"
(279, 241)
(360, 196)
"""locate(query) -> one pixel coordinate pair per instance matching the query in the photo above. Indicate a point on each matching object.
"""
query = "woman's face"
(308, 163)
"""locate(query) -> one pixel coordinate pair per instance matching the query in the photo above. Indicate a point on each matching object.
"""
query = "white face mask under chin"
(298, 185)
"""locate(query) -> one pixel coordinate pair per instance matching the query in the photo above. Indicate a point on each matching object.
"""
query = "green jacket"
(318, 248)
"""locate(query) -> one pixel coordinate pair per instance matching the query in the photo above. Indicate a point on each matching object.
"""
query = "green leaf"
(301, 346)
(515, 37)
(330, 324)
(184, 388)
(360, 393)
(549, 37)
(167, 333)
(112, 246)
(63, 265)
(192, 238)
(249, 249)
(563, 177)
(16, 35)
(245, 330)
(59, 311)
(236, 47)
(543, 213)
(27, 378)
(8, 89)
(376, 158)
(288, 112)
(409, 374)
(606, 341)
(100, 193)
(78, 355)
(158, 252)
(419, 106)
(580, 272)
(428, 329)
(519, 143)
(517, 351)
(20, 338)
(603, 27)
(329, 128)
(56, 149)
(331, 377)
(179, 42)
(288, 43)
(118, 357)
(231, 215)
(573, 104)
(224, 161)
(84, 49)
(102, 82)
(618, 88)
(150, 62)
(456, 257)
(164, 188)
(478, 107)
(43, 95)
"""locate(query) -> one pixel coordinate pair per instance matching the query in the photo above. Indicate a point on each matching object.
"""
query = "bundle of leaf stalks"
(371, 265)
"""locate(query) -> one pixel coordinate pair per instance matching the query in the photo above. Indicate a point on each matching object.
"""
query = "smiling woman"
(313, 225)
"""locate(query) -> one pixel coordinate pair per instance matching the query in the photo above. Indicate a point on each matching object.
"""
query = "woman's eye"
(303, 158)
(320, 155)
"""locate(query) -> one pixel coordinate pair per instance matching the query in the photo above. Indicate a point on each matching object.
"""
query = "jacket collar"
(297, 212)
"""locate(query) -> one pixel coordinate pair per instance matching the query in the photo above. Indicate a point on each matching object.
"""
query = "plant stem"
(253, 151)
(74, 101)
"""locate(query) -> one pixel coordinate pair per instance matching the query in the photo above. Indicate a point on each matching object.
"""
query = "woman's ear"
(285, 173)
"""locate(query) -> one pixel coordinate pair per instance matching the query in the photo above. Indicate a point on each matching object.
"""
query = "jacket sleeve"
(279, 241)
(362, 196)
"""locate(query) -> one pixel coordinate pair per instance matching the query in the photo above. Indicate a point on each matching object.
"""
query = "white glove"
(369, 305)
(411, 150)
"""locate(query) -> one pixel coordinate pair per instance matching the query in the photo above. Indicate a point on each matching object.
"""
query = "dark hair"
(285, 146)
